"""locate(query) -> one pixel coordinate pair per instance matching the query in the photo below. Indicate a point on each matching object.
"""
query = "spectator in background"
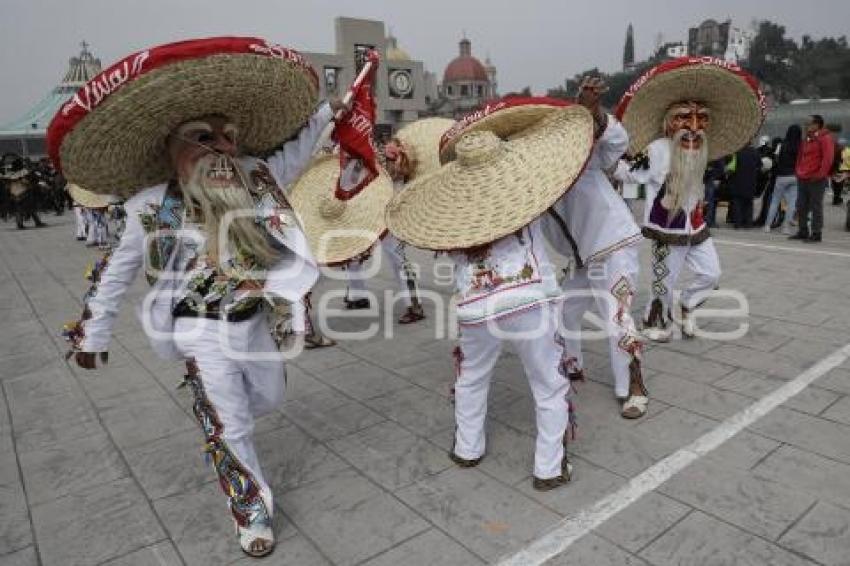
(744, 170)
(766, 177)
(837, 180)
(786, 181)
(713, 175)
(814, 163)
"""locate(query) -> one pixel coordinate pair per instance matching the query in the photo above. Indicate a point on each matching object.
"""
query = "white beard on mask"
(685, 187)
(218, 187)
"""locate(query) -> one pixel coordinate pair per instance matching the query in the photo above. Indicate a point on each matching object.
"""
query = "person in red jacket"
(814, 163)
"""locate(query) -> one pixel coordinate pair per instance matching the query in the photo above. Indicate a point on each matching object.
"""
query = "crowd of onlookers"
(789, 176)
(29, 188)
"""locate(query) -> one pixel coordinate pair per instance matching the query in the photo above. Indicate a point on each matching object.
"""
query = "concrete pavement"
(105, 467)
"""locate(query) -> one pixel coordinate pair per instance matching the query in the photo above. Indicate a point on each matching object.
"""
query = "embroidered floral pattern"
(74, 332)
(212, 288)
(238, 484)
(167, 217)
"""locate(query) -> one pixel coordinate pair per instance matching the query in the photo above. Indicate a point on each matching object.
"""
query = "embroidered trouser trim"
(608, 284)
(667, 264)
(238, 484)
(394, 252)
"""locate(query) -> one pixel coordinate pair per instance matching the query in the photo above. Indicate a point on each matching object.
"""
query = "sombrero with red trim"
(503, 117)
(507, 172)
(110, 137)
(736, 102)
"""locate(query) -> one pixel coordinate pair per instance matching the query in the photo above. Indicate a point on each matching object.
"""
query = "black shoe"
(463, 462)
(548, 484)
(357, 305)
(799, 236)
(814, 238)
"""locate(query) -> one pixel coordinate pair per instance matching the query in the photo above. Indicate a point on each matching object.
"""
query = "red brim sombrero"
(111, 136)
(503, 117)
(733, 96)
(503, 178)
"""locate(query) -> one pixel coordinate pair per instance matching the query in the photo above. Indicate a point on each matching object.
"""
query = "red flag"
(354, 132)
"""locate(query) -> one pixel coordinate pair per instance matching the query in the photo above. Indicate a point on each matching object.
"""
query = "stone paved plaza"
(105, 467)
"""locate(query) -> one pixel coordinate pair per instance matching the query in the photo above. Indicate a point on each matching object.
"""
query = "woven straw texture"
(339, 230)
(120, 147)
(495, 187)
(89, 199)
(735, 112)
(503, 123)
(423, 138)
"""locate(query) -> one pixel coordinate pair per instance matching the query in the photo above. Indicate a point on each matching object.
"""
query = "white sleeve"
(656, 174)
(287, 162)
(116, 277)
(610, 146)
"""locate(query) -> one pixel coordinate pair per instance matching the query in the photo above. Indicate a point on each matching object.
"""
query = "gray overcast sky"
(531, 42)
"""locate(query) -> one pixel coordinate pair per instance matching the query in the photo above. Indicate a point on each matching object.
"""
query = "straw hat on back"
(495, 186)
(338, 230)
(421, 140)
(733, 96)
(111, 136)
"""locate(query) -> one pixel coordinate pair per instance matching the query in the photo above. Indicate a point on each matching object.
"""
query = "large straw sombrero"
(338, 230)
(495, 186)
(733, 96)
(111, 136)
(422, 138)
(504, 117)
(89, 199)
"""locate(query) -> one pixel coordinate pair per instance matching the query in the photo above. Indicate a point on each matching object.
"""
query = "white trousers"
(667, 264)
(98, 231)
(533, 334)
(239, 390)
(610, 284)
(392, 251)
(80, 222)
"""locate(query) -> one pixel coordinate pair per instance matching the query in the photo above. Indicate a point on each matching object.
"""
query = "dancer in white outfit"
(483, 209)
(211, 272)
(682, 114)
(592, 224)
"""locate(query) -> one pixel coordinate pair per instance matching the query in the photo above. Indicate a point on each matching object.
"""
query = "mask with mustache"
(685, 125)
(218, 188)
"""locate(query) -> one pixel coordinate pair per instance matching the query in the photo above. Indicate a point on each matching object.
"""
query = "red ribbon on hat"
(681, 62)
(100, 88)
(461, 125)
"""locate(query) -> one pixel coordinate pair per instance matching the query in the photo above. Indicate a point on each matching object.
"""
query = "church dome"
(465, 67)
(394, 52)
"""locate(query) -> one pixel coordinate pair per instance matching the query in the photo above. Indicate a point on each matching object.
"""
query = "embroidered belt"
(676, 239)
(184, 310)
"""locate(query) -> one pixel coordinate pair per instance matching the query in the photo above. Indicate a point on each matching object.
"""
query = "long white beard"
(231, 196)
(685, 186)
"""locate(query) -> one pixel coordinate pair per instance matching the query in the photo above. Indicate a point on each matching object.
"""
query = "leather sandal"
(313, 341)
(411, 315)
(256, 540)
